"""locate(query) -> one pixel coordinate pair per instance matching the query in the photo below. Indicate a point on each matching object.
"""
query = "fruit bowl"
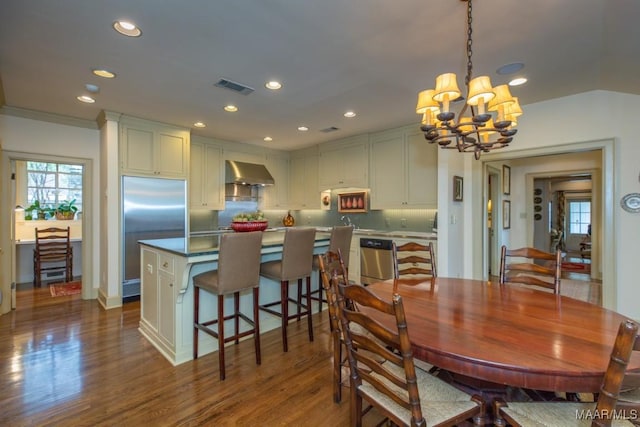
(249, 225)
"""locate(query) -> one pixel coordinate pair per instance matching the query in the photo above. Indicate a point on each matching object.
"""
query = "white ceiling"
(370, 56)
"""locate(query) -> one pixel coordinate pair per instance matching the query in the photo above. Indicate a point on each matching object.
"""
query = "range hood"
(247, 174)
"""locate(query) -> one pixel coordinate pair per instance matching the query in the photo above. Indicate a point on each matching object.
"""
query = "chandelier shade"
(486, 120)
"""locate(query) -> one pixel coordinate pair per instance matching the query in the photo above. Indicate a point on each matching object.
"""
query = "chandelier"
(486, 121)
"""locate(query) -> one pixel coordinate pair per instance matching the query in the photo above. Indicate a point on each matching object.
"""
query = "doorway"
(492, 221)
(14, 161)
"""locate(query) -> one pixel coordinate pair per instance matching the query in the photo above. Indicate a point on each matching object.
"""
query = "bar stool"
(297, 252)
(238, 270)
(340, 240)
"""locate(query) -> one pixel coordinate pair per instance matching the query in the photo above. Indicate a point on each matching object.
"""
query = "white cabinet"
(404, 170)
(277, 196)
(206, 177)
(149, 148)
(158, 298)
(344, 163)
(303, 184)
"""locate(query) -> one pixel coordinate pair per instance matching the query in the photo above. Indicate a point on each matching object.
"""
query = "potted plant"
(65, 210)
(35, 211)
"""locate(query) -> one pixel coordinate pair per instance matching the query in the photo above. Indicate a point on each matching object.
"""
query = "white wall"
(591, 116)
(26, 135)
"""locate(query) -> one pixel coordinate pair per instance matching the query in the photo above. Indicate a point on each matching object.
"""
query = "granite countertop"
(209, 243)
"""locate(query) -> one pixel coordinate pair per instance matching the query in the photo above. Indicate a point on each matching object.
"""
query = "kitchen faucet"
(345, 217)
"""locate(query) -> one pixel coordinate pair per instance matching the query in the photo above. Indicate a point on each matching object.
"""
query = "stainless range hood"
(247, 174)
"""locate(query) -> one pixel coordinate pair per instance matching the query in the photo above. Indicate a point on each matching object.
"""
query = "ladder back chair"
(414, 259)
(331, 266)
(340, 240)
(406, 395)
(52, 252)
(527, 272)
(602, 413)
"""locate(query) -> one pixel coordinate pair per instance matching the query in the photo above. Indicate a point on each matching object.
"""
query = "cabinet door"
(304, 193)
(167, 319)
(213, 185)
(422, 172)
(277, 196)
(172, 149)
(388, 172)
(355, 165)
(137, 154)
(330, 174)
(149, 288)
(196, 173)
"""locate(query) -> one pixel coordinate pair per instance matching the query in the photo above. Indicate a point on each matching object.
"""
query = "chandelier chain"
(469, 44)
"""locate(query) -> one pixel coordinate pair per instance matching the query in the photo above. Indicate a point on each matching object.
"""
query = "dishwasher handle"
(380, 244)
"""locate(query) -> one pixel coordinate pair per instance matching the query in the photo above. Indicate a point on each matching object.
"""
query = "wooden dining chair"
(340, 239)
(406, 395)
(526, 271)
(414, 259)
(602, 412)
(52, 252)
(331, 266)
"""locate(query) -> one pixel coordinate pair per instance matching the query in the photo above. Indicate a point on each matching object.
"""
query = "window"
(52, 183)
(579, 216)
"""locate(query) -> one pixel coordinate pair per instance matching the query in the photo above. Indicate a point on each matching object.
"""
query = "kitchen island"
(166, 290)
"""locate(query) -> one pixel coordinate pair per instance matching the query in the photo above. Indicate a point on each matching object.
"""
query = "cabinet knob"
(171, 285)
(165, 264)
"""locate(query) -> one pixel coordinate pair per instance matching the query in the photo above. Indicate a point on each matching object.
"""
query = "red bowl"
(249, 226)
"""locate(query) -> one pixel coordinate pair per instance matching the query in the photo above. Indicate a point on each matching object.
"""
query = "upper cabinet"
(344, 163)
(150, 148)
(206, 176)
(404, 170)
(303, 184)
(277, 196)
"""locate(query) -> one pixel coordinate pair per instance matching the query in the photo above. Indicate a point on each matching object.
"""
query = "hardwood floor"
(66, 361)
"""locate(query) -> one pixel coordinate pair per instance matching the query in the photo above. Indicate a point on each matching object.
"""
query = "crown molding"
(48, 117)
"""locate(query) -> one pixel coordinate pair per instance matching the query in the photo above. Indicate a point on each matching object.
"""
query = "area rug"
(63, 289)
(578, 267)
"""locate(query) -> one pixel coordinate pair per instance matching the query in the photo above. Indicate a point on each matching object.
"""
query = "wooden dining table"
(506, 334)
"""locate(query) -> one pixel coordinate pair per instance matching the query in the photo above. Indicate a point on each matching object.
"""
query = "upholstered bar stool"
(297, 253)
(238, 270)
(340, 240)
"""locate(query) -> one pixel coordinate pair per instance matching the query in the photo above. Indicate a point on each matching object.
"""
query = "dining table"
(505, 334)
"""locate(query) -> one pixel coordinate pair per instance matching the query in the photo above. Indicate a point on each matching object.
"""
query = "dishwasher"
(376, 260)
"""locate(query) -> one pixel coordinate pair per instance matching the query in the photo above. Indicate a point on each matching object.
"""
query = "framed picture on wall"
(457, 188)
(506, 214)
(506, 180)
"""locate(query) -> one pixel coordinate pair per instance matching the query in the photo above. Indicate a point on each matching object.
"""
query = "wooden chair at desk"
(610, 407)
(529, 273)
(53, 252)
(420, 258)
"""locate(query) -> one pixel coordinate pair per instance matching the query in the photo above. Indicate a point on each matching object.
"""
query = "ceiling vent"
(329, 129)
(234, 86)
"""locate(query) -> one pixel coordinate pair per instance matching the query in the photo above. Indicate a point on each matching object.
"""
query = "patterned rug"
(64, 289)
(578, 267)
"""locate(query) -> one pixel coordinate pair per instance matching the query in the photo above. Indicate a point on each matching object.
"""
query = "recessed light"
(510, 68)
(273, 85)
(350, 114)
(127, 28)
(199, 125)
(86, 99)
(230, 108)
(518, 81)
(92, 88)
(268, 139)
(303, 128)
(103, 73)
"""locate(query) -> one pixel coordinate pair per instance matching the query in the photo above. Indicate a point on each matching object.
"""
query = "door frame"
(8, 276)
(607, 220)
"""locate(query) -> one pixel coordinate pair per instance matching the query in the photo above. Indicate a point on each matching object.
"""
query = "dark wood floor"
(65, 361)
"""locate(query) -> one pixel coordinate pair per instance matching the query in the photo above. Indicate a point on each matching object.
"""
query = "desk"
(506, 334)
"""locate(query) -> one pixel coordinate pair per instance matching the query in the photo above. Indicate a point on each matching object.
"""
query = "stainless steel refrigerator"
(152, 208)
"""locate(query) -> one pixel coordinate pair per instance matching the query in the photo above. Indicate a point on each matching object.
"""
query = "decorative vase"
(288, 220)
